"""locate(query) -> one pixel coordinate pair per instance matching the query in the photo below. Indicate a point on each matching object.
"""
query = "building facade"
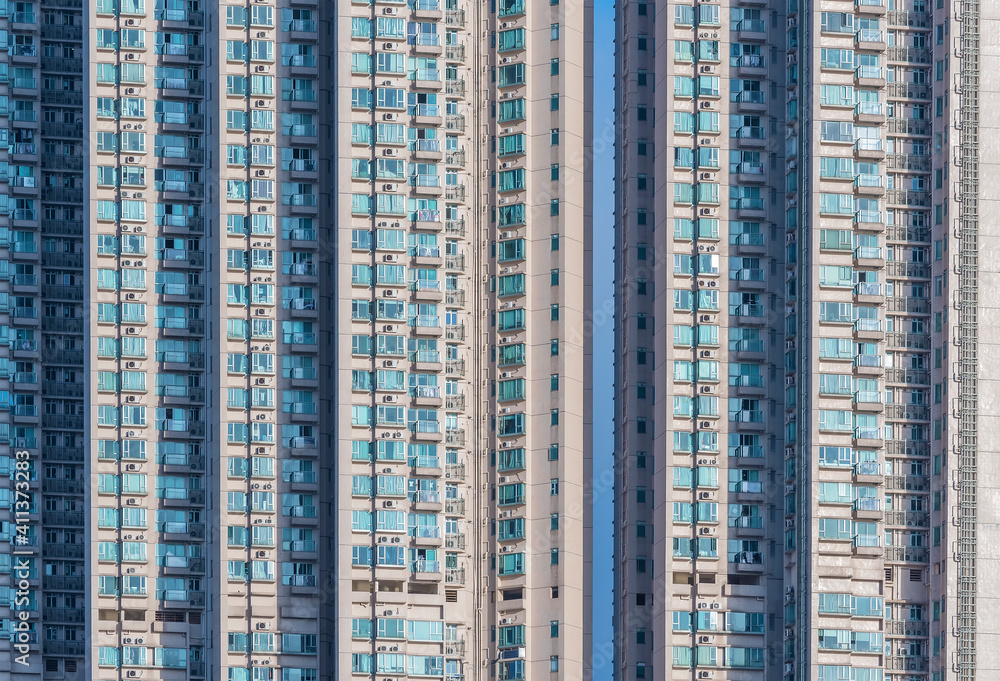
(314, 360)
(799, 232)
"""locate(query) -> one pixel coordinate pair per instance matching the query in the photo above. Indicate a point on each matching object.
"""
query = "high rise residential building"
(292, 293)
(804, 394)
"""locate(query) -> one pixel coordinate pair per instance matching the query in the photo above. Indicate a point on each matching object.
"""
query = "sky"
(604, 35)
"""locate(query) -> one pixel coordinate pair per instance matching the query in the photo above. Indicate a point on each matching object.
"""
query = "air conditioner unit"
(390, 363)
(140, 640)
(503, 480)
(132, 502)
(388, 152)
(130, 159)
(131, 296)
(391, 257)
(507, 235)
(389, 293)
(262, 554)
(130, 22)
(390, 11)
(389, 504)
(388, 46)
(389, 328)
(389, 117)
(505, 410)
(705, 675)
(263, 625)
(507, 620)
(506, 374)
(391, 399)
(130, 91)
(131, 433)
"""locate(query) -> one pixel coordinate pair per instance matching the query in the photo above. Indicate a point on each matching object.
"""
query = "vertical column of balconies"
(408, 260)
(21, 311)
(635, 258)
(147, 260)
(250, 291)
(838, 233)
(512, 550)
(909, 309)
(716, 293)
(61, 282)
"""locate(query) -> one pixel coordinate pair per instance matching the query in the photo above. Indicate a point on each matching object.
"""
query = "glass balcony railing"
(867, 71)
(868, 253)
(865, 288)
(867, 324)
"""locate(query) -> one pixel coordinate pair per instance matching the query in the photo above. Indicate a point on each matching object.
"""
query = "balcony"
(908, 412)
(909, 91)
(748, 526)
(747, 385)
(869, 221)
(869, 112)
(751, 30)
(869, 149)
(748, 455)
(867, 509)
(749, 278)
(749, 561)
(868, 292)
(869, 185)
(751, 101)
(870, 7)
(751, 173)
(868, 438)
(751, 65)
(867, 473)
(868, 329)
(869, 39)
(868, 401)
(748, 315)
(751, 137)
(869, 256)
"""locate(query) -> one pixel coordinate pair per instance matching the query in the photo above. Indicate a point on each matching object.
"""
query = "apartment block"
(315, 360)
(798, 484)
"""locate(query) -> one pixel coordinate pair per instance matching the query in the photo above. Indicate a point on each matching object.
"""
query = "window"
(554, 32)
(554, 102)
(554, 67)
(554, 278)
(554, 487)
(554, 136)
